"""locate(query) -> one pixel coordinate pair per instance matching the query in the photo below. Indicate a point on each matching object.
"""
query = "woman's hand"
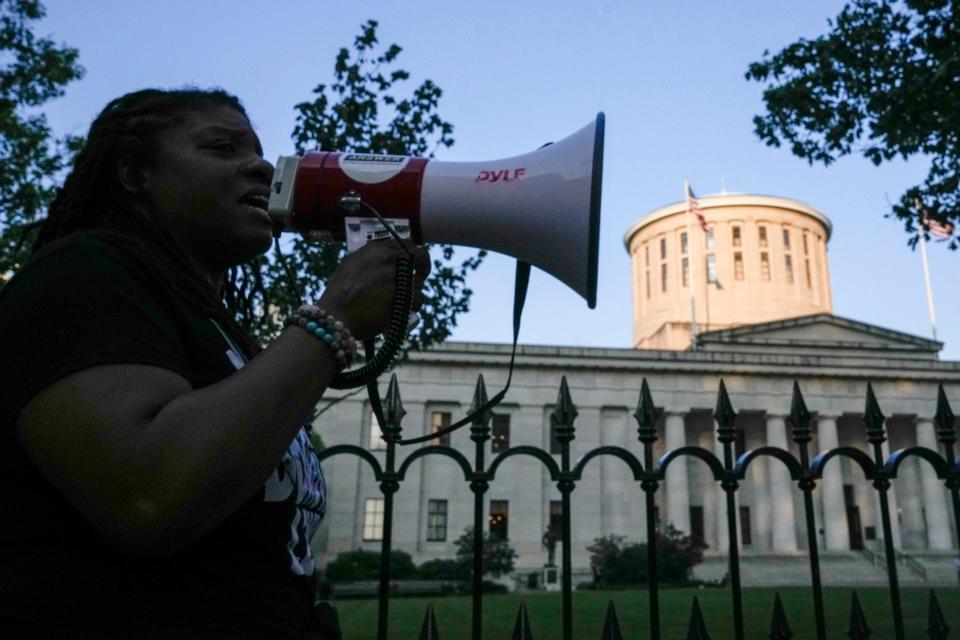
(362, 289)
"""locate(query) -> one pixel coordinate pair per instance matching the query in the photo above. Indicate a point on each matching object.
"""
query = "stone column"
(835, 528)
(720, 503)
(892, 501)
(781, 494)
(720, 507)
(934, 500)
(677, 485)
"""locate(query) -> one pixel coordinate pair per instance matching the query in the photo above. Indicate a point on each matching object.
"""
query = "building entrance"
(853, 518)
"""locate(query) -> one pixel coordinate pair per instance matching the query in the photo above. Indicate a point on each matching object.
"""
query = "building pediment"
(820, 333)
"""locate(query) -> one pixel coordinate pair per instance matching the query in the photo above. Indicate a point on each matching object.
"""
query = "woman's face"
(209, 184)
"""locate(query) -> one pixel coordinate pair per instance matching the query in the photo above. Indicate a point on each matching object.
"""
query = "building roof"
(820, 345)
(820, 333)
(729, 200)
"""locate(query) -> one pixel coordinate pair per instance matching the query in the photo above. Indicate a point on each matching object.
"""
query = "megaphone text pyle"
(542, 207)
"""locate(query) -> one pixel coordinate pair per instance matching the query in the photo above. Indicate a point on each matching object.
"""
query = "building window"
(737, 265)
(499, 515)
(736, 237)
(555, 445)
(663, 248)
(663, 276)
(500, 438)
(556, 516)
(696, 525)
(739, 442)
(373, 519)
(683, 242)
(710, 239)
(646, 255)
(685, 275)
(806, 272)
(711, 268)
(786, 238)
(648, 282)
(437, 521)
(745, 532)
(788, 263)
(763, 237)
(764, 265)
(375, 440)
(439, 420)
(806, 249)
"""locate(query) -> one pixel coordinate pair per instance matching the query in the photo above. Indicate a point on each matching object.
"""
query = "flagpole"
(926, 271)
(692, 278)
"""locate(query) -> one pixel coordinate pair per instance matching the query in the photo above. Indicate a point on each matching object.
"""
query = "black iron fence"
(729, 472)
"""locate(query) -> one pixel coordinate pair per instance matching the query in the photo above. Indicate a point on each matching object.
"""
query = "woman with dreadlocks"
(155, 478)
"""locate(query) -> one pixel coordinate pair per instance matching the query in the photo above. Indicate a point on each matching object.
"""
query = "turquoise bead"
(312, 326)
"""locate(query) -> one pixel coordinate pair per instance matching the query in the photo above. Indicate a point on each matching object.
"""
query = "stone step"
(836, 569)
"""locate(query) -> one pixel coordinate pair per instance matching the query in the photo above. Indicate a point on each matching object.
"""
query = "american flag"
(941, 230)
(693, 206)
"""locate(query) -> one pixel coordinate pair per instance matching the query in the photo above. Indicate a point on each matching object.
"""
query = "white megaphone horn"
(542, 207)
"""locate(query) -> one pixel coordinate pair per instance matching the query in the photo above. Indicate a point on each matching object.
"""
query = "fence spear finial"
(697, 630)
(393, 410)
(521, 630)
(779, 628)
(873, 418)
(565, 413)
(944, 418)
(480, 426)
(799, 416)
(646, 415)
(937, 628)
(724, 415)
(611, 626)
(429, 629)
(858, 628)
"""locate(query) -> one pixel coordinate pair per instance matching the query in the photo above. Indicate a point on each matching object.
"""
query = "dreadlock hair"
(94, 201)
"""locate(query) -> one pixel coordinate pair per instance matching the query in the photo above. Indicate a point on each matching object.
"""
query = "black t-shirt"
(90, 302)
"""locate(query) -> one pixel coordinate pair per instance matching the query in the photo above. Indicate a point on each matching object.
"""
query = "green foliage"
(444, 569)
(365, 565)
(33, 70)
(362, 111)
(616, 562)
(498, 555)
(884, 82)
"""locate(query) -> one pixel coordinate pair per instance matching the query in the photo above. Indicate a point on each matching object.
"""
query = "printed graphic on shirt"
(299, 477)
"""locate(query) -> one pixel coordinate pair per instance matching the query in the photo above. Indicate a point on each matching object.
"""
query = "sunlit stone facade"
(762, 258)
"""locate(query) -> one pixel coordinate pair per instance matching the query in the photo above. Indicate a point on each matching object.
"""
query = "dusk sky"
(669, 76)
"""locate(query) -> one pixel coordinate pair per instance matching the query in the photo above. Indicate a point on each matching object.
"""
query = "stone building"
(770, 324)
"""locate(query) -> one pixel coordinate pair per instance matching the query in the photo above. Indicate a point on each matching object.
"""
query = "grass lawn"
(358, 618)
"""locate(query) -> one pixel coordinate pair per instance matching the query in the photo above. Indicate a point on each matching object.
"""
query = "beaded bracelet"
(330, 331)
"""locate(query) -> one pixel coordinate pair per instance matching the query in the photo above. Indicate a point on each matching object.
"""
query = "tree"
(34, 71)
(498, 555)
(361, 112)
(617, 562)
(885, 82)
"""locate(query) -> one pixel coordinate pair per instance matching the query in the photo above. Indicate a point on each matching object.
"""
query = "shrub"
(614, 561)
(365, 565)
(443, 569)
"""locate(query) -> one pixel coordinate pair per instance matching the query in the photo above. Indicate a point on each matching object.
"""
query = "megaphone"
(541, 207)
